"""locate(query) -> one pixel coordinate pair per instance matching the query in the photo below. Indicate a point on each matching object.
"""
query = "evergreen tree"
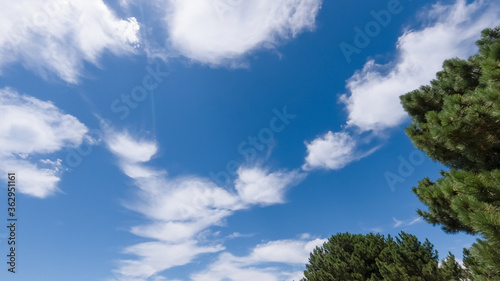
(463, 201)
(372, 257)
(482, 260)
(406, 258)
(456, 120)
(450, 270)
(346, 257)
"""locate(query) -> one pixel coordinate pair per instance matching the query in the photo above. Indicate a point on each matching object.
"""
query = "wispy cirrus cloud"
(221, 32)
(265, 262)
(405, 223)
(59, 36)
(29, 130)
(157, 256)
(179, 209)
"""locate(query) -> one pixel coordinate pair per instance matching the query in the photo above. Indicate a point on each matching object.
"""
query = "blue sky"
(215, 140)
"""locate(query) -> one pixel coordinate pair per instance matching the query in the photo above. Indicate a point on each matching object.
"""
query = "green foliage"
(452, 271)
(456, 121)
(482, 260)
(372, 257)
(346, 257)
(408, 259)
(463, 201)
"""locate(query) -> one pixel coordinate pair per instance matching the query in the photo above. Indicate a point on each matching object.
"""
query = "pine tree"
(406, 258)
(450, 270)
(463, 201)
(456, 121)
(372, 257)
(482, 260)
(346, 257)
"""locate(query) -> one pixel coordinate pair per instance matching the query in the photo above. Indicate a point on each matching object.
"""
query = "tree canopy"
(373, 257)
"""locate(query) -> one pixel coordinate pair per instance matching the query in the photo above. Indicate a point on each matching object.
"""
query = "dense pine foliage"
(373, 257)
(456, 121)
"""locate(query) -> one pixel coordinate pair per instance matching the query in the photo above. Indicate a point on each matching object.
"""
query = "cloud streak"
(405, 223)
(256, 266)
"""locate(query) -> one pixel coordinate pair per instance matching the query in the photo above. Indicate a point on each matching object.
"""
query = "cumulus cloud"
(30, 127)
(220, 31)
(330, 151)
(373, 98)
(333, 151)
(181, 209)
(59, 36)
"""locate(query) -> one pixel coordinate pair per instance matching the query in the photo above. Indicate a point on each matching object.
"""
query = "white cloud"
(284, 254)
(285, 251)
(124, 146)
(33, 179)
(295, 276)
(30, 127)
(415, 220)
(397, 223)
(238, 235)
(178, 211)
(59, 36)
(258, 186)
(219, 31)
(228, 268)
(305, 236)
(181, 209)
(332, 151)
(373, 101)
(405, 223)
(376, 229)
(185, 199)
(155, 257)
